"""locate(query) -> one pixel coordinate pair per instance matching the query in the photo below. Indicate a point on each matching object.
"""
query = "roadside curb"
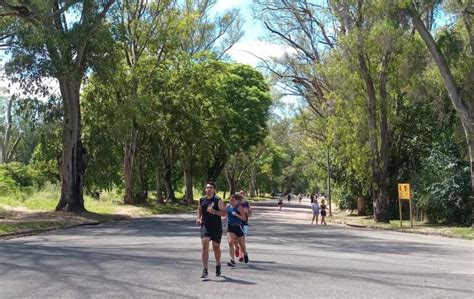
(40, 231)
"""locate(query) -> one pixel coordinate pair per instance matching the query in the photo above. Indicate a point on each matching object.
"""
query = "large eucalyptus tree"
(58, 39)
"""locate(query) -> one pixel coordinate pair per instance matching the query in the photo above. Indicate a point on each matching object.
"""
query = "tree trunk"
(6, 138)
(379, 159)
(168, 184)
(360, 206)
(230, 182)
(73, 158)
(159, 192)
(253, 177)
(129, 165)
(214, 170)
(188, 179)
(141, 190)
(230, 174)
(463, 102)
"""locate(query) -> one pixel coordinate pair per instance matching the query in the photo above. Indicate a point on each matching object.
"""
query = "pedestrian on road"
(289, 197)
(235, 233)
(209, 212)
(323, 212)
(315, 208)
(300, 196)
(280, 202)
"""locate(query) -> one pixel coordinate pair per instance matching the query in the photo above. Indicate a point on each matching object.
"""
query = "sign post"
(404, 194)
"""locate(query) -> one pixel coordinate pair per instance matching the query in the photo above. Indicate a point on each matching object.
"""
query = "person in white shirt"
(315, 208)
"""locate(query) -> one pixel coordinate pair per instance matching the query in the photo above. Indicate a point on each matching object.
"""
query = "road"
(159, 257)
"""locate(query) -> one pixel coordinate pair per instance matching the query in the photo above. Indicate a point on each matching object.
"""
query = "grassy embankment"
(418, 227)
(34, 211)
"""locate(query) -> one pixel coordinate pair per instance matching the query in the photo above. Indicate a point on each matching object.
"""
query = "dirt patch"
(21, 221)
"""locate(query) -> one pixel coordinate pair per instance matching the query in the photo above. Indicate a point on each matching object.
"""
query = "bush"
(442, 188)
(345, 198)
(7, 183)
(18, 172)
(43, 171)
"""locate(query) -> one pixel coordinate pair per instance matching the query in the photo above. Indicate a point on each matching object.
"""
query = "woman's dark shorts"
(215, 234)
(235, 229)
(323, 212)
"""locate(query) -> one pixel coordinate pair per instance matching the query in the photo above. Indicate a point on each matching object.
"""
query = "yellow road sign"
(404, 191)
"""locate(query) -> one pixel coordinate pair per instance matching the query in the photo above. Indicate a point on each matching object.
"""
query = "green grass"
(419, 227)
(464, 232)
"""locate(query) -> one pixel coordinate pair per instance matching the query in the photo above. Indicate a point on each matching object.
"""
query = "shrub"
(43, 171)
(18, 172)
(345, 198)
(443, 185)
(7, 183)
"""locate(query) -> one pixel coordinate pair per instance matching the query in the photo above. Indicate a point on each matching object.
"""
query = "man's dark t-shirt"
(210, 221)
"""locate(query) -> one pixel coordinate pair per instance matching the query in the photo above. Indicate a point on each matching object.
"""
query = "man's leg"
(217, 251)
(205, 252)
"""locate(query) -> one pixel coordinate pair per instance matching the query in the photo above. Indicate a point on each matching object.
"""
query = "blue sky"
(252, 41)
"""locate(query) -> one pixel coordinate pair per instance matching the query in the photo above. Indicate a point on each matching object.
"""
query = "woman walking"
(323, 212)
(315, 208)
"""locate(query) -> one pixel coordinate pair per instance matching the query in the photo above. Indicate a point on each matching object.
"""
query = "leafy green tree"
(46, 38)
(457, 77)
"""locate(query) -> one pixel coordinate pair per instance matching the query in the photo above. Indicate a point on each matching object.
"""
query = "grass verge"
(21, 213)
(418, 227)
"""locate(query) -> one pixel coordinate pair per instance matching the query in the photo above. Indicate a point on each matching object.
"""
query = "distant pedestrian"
(280, 202)
(315, 208)
(323, 212)
(289, 197)
(300, 196)
(209, 212)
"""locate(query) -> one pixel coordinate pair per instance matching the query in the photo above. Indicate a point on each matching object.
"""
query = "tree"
(459, 91)
(7, 148)
(47, 38)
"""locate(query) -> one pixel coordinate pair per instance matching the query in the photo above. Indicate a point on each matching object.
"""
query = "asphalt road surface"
(160, 257)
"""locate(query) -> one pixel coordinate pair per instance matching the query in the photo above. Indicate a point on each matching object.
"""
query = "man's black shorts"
(215, 234)
(235, 229)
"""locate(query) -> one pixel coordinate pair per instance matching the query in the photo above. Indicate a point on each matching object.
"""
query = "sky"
(251, 44)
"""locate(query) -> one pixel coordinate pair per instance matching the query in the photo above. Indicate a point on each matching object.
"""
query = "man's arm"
(222, 212)
(199, 214)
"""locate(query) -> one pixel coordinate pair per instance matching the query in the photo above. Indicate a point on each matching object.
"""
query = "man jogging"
(209, 212)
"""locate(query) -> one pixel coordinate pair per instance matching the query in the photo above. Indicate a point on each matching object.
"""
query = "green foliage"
(345, 198)
(442, 187)
(18, 172)
(7, 183)
(17, 178)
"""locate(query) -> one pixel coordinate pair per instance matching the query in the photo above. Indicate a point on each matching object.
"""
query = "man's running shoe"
(231, 264)
(241, 259)
(204, 273)
(246, 258)
(218, 270)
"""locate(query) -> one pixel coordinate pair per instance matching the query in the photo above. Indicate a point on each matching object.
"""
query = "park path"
(159, 257)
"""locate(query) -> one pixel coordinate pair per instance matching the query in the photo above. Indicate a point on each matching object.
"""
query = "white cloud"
(251, 52)
(228, 4)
